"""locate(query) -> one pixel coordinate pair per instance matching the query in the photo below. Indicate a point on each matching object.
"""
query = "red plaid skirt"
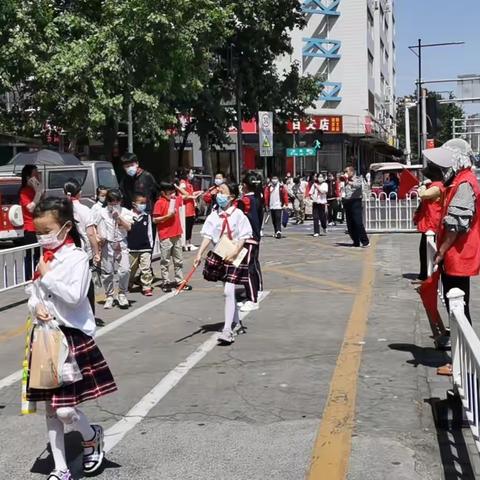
(215, 269)
(97, 379)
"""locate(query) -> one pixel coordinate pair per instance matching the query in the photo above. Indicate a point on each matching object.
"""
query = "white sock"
(77, 420)
(231, 311)
(56, 437)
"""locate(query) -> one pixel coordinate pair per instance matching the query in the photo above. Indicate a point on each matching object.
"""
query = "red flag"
(429, 294)
(185, 281)
(407, 181)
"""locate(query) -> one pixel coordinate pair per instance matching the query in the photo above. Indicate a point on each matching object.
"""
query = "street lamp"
(408, 150)
(413, 49)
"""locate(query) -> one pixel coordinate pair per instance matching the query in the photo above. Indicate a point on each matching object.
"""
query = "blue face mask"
(222, 200)
(131, 170)
(141, 207)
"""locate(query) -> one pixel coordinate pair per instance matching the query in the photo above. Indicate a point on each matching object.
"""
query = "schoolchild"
(100, 200)
(59, 294)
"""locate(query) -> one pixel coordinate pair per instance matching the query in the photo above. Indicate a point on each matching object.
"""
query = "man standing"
(352, 204)
(298, 200)
(458, 240)
(137, 180)
(276, 199)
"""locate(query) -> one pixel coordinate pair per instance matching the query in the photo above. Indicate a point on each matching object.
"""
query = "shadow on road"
(427, 356)
(207, 328)
(410, 276)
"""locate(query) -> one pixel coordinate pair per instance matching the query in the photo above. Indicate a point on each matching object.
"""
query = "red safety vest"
(429, 214)
(462, 259)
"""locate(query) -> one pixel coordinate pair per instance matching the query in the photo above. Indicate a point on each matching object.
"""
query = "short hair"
(138, 195)
(166, 186)
(220, 173)
(114, 195)
(129, 158)
(100, 188)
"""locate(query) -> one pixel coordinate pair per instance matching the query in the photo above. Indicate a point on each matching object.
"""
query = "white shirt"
(275, 202)
(96, 210)
(83, 219)
(108, 228)
(63, 290)
(303, 186)
(238, 221)
(319, 193)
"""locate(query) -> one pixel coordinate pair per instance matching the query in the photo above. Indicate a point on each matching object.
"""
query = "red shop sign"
(327, 123)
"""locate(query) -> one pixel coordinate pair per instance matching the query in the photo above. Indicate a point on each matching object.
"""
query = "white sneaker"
(123, 301)
(240, 304)
(193, 248)
(226, 337)
(108, 303)
(249, 307)
(316, 234)
(260, 294)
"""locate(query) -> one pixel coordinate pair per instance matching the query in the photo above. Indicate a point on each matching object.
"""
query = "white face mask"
(132, 170)
(102, 199)
(50, 241)
(115, 208)
(218, 181)
(190, 176)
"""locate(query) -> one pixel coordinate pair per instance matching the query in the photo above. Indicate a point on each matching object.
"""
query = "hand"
(438, 258)
(115, 214)
(230, 258)
(197, 261)
(42, 313)
(34, 183)
(43, 267)
(96, 259)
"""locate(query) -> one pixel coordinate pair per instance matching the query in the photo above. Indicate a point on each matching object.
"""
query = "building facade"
(350, 46)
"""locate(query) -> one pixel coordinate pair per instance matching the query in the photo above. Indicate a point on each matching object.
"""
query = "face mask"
(50, 241)
(131, 171)
(218, 182)
(190, 176)
(222, 200)
(102, 199)
(141, 207)
(275, 182)
(114, 208)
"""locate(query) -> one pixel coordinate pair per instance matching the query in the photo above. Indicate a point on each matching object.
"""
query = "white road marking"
(135, 415)
(17, 376)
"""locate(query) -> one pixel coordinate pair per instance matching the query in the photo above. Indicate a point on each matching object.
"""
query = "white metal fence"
(388, 213)
(15, 264)
(466, 361)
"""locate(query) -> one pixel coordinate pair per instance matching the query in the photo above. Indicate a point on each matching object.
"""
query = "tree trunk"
(206, 156)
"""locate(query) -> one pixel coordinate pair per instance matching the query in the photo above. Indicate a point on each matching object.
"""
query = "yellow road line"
(344, 250)
(331, 452)
(309, 278)
(9, 334)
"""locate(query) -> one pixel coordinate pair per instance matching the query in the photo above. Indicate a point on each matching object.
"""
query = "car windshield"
(9, 194)
(106, 177)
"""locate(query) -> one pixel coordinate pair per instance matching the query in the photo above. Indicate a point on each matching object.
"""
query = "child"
(100, 201)
(140, 244)
(166, 217)
(189, 197)
(231, 221)
(318, 193)
(59, 292)
(113, 225)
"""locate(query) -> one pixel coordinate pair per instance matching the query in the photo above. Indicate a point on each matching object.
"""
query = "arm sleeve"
(461, 209)
(33, 299)
(70, 288)
(323, 188)
(431, 193)
(208, 228)
(244, 228)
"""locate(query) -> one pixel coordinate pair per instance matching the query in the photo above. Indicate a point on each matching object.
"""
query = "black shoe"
(166, 288)
(278, 235)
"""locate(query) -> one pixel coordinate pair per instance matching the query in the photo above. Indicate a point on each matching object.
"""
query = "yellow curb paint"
(309, 278)
(331, 452)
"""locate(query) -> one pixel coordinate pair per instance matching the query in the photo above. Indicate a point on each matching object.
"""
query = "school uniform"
(140, 244)
(170, 236)
(115, 257)
(276, 199)
(318, 194)
(190, 211)
(63, 292)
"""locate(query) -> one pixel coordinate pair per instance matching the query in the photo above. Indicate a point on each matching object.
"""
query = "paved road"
(326, 371)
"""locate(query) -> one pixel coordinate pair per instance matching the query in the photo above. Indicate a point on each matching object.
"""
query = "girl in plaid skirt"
(227, 220)
(59, 293)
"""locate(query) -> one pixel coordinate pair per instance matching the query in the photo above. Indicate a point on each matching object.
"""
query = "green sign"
(301, 152)
(317, 145)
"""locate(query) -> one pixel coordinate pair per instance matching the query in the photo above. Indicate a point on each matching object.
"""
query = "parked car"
(11, 218)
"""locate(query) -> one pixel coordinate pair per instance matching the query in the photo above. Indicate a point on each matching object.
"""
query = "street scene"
(239, 240)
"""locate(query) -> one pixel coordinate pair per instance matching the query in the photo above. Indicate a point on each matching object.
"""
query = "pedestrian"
(85, 224)
(298, 192)
(458, 240)
(429, 213)
(59, 294)
(352, 204)
(249, 206)
(229, 221)
(276, 200)
(100, 200)
(332, 199)
(113, 225)
(137, 180)
(209, 195)
(30, 194)
(166, 217)
(140, 243)
(186, 190)
(318, 193)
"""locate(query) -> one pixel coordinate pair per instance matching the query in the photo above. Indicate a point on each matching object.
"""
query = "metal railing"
(388, 213)
(465, 361)
(15, 263)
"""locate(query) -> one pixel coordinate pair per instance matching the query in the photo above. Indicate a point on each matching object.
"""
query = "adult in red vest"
(429, 213)
(458, 241)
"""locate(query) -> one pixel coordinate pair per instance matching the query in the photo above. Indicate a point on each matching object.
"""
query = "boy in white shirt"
(113, 224)
(318, 193)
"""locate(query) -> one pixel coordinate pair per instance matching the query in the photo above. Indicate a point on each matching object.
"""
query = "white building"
(350, 46)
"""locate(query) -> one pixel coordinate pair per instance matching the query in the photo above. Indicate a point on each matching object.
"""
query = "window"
(58, 178)
(387, 57)
(370, 64)
(370, 18)
(371, 103)
(106, 177)
(9, 193)
(382, 50)
(382, 84)
(385, 24)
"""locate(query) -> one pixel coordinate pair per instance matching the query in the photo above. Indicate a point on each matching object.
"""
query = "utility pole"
(424, 123)
(408, 146)
(130, 128)
(239, 156)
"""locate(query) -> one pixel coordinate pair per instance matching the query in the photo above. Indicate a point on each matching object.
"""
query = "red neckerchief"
(49, 255)
(226, 225)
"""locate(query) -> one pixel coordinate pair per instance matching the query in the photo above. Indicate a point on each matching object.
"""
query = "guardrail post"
(431, 251)
(457, 307)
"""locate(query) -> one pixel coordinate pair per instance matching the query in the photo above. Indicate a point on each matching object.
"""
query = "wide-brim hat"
(454, 152)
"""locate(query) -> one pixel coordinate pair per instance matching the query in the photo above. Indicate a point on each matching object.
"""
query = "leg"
(107, 269)
(189, 222)
(252, 286)
(134, 264)
(77, 420)
(177, 256)
(258, 268)
(359, 229)
(231, 312)
(316, 218)
(30, 260)
(348, 216)
(146, 277)
(423, 258)
(123, 271)
(56, 437)
(165, 254)
(91, 296)
(323, 216)
(276, 220)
